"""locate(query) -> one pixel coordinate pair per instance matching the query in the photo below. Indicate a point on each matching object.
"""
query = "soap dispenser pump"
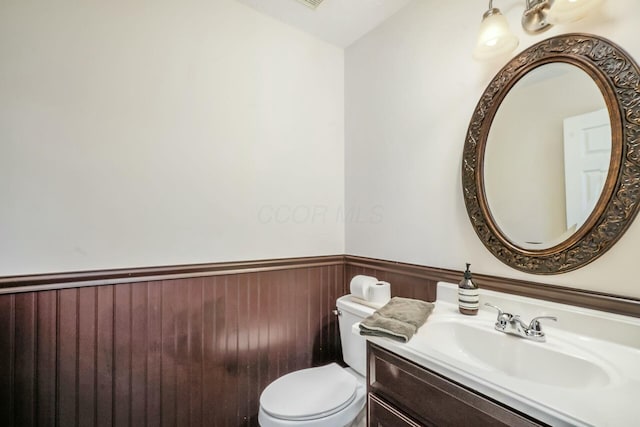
(468, 295)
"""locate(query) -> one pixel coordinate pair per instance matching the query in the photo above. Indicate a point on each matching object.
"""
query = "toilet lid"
(309, 393)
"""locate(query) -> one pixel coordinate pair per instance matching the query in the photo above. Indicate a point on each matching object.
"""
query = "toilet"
(328, 395)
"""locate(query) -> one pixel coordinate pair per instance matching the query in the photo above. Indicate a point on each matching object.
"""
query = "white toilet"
(328, 395)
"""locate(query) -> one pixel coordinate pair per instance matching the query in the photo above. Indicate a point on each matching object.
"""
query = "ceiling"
(339, 22)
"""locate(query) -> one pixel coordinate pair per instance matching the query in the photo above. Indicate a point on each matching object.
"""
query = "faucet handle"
(500, 312)
(503, 318)
(535, 324)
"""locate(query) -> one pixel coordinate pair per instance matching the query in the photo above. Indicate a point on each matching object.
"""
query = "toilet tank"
(354, 347)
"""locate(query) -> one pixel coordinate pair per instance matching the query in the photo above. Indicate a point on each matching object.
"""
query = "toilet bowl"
(329, 395)
(324, 396)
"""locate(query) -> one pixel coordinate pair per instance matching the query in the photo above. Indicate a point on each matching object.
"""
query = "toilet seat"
(309, 394)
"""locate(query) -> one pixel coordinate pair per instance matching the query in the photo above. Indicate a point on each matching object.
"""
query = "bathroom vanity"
(461, 371)
(403, 393)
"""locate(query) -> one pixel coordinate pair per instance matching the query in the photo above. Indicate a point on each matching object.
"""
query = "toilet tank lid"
(309, 393)
(346, 303)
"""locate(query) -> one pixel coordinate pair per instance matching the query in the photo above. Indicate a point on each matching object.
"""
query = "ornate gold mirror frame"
(618, 77)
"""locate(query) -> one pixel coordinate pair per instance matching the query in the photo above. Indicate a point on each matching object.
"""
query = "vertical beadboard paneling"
(153, 391)
(315, 312)
(318, 314)
(284, 309)
(122, 355)
(301, 323)
(341, 287)
(252, 357)
(230, 358)
(25, 364)
(210, 366)
(104, 322)
(193, 351)
(262, 317)
(139, 351)
(168, 362)
(7, 357)
(86, 356)
(68, 357)
(270, 328)
(182, 352)
(243, 352)
(194, 305)
(46, 358)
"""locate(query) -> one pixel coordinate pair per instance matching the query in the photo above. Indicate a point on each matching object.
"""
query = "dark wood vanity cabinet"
(401, 393)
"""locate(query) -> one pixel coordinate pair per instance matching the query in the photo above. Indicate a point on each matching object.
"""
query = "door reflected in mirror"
(547, 156)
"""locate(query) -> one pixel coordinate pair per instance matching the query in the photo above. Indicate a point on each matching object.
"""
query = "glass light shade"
(563, 11)
(495, 37)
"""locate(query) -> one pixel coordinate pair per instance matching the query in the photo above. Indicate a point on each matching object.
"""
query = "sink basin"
(586, 374)
(479, 346)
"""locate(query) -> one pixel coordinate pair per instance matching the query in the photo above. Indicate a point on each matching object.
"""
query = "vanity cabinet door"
(383, 415)
(430, 399)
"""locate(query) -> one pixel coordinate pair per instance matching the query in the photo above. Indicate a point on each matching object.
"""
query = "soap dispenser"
(468, 295)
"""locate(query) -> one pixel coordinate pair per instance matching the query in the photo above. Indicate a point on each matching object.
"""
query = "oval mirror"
(546, 163)
(551, 168)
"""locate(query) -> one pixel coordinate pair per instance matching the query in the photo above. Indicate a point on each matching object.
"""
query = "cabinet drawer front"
(383, 415)
(431, 398)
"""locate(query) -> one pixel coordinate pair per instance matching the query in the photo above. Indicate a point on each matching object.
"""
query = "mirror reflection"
(547, 156)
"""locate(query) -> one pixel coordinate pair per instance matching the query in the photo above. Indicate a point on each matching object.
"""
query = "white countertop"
(610, 344)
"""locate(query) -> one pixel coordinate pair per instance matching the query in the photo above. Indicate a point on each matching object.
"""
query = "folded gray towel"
(399, 319)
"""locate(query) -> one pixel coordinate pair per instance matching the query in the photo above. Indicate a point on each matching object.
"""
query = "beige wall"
(140, 133)
(148, 133)
(411, 88)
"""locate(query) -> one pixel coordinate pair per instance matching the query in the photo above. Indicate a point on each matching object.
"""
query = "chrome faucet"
(513, 324)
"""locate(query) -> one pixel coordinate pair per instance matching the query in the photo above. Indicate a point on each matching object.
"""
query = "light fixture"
(534, 17)
(564, 11)
(496, 39)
